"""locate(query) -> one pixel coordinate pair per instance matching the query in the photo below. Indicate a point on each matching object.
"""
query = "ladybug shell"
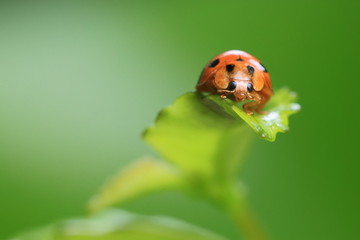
(216, 71)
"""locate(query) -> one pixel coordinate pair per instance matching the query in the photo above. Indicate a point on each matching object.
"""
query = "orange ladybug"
(239, 76)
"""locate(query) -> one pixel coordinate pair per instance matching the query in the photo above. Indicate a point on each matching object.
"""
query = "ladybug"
(238, 76)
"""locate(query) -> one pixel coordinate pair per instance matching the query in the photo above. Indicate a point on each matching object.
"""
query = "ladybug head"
(231, 78)
(235, 76)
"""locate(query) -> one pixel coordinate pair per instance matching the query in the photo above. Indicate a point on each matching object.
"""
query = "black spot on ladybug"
(214, 63)
(239, 59)
(230, 67)
(231, 86)
(250, 69)
(250, 87)
(264, 68)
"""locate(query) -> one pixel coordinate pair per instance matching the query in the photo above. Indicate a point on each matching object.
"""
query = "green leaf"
(117, 224)
(209, 136)
(144, 176)
(276, 119)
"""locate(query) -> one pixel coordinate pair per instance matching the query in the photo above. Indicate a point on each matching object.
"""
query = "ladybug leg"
(249, 107)
(224, 93)
(265, 96)
(260, 106)
(255, 105)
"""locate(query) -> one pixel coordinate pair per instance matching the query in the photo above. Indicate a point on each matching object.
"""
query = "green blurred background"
(80, 80)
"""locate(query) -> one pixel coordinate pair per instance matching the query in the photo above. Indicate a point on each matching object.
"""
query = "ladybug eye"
(231, 86)
(250, 87)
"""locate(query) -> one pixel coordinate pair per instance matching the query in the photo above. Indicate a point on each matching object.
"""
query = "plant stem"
(248, 224)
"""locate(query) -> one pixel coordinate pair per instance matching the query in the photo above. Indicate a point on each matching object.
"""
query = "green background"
(79, 81)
